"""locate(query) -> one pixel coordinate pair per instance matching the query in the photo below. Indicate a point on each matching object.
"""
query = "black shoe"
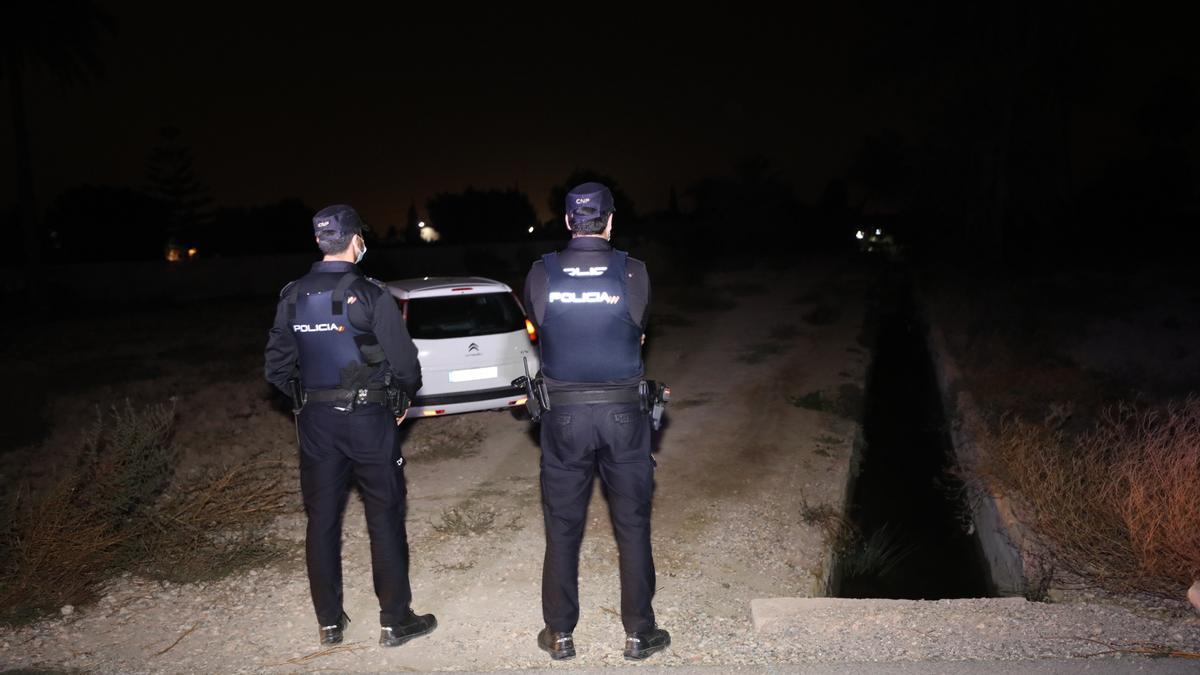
(332, 635)
(640, 645)
(414, 626)
(559, 645)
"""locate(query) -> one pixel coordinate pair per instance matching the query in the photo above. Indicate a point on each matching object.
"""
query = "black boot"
(559, 645)
(332, 635)
(415, 625)
(640, 645)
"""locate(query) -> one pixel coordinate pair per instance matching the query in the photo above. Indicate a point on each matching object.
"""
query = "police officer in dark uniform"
(341, 335)
(589, 303)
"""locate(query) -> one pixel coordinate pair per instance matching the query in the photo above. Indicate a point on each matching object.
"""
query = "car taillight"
(531, 330)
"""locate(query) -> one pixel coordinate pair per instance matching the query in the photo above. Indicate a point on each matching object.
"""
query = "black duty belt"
(343, 395)
(600, 396)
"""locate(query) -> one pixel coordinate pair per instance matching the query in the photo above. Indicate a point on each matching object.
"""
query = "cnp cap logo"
(590, 195)
(323, 223)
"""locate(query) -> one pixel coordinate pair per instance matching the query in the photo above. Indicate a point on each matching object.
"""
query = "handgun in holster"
(536, 397)
(397, 399)
(655, 396)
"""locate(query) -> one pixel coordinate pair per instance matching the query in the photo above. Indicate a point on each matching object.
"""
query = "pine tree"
(171, 178)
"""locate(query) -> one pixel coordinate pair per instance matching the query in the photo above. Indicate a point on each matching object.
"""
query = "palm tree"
(59, 38)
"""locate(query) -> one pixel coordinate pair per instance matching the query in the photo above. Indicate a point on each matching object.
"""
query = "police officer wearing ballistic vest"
(589, 303)
(342, 335)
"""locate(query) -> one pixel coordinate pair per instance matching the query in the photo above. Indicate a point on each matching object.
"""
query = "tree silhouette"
(60, 38)
(171, 176)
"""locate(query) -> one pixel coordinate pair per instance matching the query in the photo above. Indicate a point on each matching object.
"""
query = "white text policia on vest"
(318, 328)
(588, 297)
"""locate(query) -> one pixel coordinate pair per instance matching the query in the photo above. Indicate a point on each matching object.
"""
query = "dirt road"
(735, 462)
(739, 461)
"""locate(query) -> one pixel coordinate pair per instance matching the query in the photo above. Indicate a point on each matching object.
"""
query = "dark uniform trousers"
(576, 441)
(336, 447)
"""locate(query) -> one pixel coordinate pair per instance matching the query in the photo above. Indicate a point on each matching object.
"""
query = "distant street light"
(530, 229)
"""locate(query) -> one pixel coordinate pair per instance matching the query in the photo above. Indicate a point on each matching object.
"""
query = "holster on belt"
(655, 396)
(297, 392)
(397, 400)
(536, 397)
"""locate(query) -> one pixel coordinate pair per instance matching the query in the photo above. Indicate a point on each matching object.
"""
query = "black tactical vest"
(588, 334)
(327, 342)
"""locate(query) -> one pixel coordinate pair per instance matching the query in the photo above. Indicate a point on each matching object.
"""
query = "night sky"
(384, 110)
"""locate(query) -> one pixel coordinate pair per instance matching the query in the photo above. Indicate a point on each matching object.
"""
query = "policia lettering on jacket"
(340, 346)
(589, 303)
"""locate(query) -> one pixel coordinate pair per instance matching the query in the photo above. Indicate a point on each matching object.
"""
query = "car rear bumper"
(471, 401)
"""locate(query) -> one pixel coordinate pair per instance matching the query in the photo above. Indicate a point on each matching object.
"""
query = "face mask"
(361, 253)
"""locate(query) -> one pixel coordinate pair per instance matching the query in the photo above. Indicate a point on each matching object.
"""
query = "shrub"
(117, 509)
(61, 544)
(1115, 507)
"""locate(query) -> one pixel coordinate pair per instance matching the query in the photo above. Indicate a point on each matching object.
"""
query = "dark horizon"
(383, 113)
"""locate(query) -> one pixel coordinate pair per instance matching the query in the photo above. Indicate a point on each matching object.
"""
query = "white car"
(472, 339)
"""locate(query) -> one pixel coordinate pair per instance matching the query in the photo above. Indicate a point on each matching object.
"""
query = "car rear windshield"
(464, 315)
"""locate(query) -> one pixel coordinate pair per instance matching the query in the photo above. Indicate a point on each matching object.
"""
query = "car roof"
(432, 287)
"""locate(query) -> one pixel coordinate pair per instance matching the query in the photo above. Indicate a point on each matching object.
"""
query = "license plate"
(472, 374)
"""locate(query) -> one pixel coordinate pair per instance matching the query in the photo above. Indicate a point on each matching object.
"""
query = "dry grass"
(878, 554)
(1161, 505)
(1116, 507)
(116, 510)
(61, 544)
(837, 531)
(466, 521)
(216, 527)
